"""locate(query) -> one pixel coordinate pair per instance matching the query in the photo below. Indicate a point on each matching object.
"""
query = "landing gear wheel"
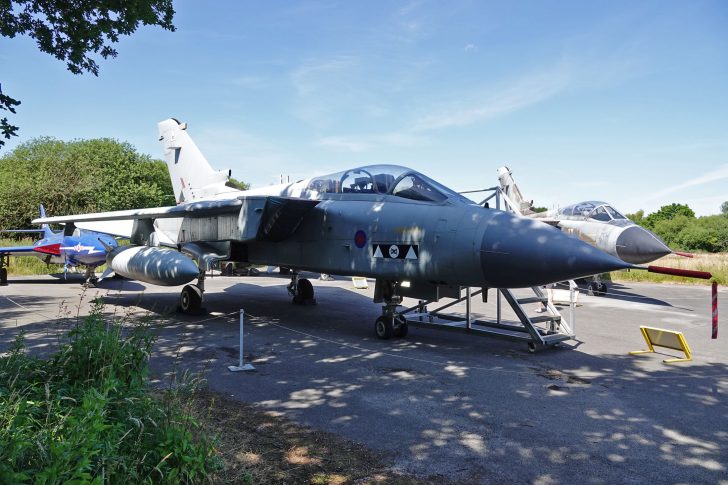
(304, 293)
(190, 300)
(384, 327)
(400, 327)
(593, 287)
(531, 348)
(601, 289)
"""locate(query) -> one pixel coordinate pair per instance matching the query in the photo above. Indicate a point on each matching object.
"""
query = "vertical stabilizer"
(47, 232)
(509, 187)
(192, 177)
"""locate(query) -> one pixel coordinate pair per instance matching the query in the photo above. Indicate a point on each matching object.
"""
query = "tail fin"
(47, 232)
(192, 177)
(509, 187)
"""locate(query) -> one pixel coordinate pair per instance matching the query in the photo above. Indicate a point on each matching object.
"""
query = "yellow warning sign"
(360, 283)
(658, 337)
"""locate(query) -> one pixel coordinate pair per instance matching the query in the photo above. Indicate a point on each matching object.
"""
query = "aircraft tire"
(401, 329)
(601, 289)
(304, 292)
(384, 327)
(190, 300)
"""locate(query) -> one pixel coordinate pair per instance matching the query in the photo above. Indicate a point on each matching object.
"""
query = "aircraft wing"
(18, 250)
(551, 222)
(267, 218)
(202, 208)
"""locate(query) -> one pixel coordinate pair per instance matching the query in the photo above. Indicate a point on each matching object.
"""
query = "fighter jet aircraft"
(594, 222)
(415, 236)
(77, 248)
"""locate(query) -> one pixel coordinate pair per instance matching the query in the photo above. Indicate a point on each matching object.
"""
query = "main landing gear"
(190, 300)
(301, 290)
(91, 279)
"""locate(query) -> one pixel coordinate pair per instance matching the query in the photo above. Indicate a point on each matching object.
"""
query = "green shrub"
(87, 414)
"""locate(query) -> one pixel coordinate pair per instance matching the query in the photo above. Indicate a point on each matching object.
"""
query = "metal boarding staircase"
(542, 331)
(538, 332)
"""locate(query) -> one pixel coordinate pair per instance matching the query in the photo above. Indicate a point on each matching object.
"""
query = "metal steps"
(538, 331)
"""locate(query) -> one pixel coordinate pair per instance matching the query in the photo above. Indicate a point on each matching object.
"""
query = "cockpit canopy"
(385, 179)
(593, 209)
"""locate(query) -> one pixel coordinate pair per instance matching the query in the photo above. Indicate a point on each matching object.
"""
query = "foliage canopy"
(74, 31)
(677, 225)
(76, 177)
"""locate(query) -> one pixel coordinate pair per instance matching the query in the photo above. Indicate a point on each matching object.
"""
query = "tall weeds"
(87, 415)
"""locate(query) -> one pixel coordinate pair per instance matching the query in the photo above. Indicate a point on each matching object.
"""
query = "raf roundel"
(360, 239)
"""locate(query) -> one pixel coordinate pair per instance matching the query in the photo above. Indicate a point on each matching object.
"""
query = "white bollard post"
(241, 366)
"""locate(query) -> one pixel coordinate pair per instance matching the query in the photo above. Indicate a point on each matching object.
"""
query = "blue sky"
(620, 101)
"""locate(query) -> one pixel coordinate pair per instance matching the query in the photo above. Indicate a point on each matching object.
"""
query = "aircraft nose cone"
(638, 245)
(517, 252)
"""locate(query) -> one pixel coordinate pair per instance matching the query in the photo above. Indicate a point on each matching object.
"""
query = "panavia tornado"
(594, 222)
(415, 236)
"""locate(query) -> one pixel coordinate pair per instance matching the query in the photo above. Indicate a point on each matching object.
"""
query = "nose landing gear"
(391, 323)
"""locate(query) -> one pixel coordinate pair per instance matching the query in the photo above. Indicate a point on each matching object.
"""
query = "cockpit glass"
(412, 186)
(600, 214)
(385, 179)
(612, 212)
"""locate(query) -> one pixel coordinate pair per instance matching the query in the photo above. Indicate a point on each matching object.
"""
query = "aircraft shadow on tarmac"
(57, 279)
(451, 400)
(468, 409)
(621, 292)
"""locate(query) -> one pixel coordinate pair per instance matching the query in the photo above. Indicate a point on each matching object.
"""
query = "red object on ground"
(688, 273)
(54, 249)
(684, 255)
(715, 310)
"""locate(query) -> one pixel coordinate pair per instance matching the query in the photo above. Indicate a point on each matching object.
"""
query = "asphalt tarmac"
(472, 409)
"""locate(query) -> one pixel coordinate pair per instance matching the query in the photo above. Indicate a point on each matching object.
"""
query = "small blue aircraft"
(80, 248)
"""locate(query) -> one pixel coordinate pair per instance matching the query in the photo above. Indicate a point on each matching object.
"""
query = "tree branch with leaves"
(74, 32)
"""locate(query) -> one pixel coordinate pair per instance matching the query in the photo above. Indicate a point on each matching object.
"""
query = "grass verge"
(87, 415)
(716, 263)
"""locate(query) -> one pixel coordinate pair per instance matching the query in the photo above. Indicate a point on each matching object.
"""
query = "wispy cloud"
(713, 176)
(308, 77)
(525, 92)
(368, 142)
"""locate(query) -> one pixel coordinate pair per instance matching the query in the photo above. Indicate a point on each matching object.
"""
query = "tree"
(77, 177)
(238, 184)
(73, 31)
(637, 217)
(668, 212)
(724, 208)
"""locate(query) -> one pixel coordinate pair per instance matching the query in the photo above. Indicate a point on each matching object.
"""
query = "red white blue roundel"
(360, 239)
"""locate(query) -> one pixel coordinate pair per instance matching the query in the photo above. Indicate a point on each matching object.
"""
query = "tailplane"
(509, 187)
(47, 232)
(192, 176)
